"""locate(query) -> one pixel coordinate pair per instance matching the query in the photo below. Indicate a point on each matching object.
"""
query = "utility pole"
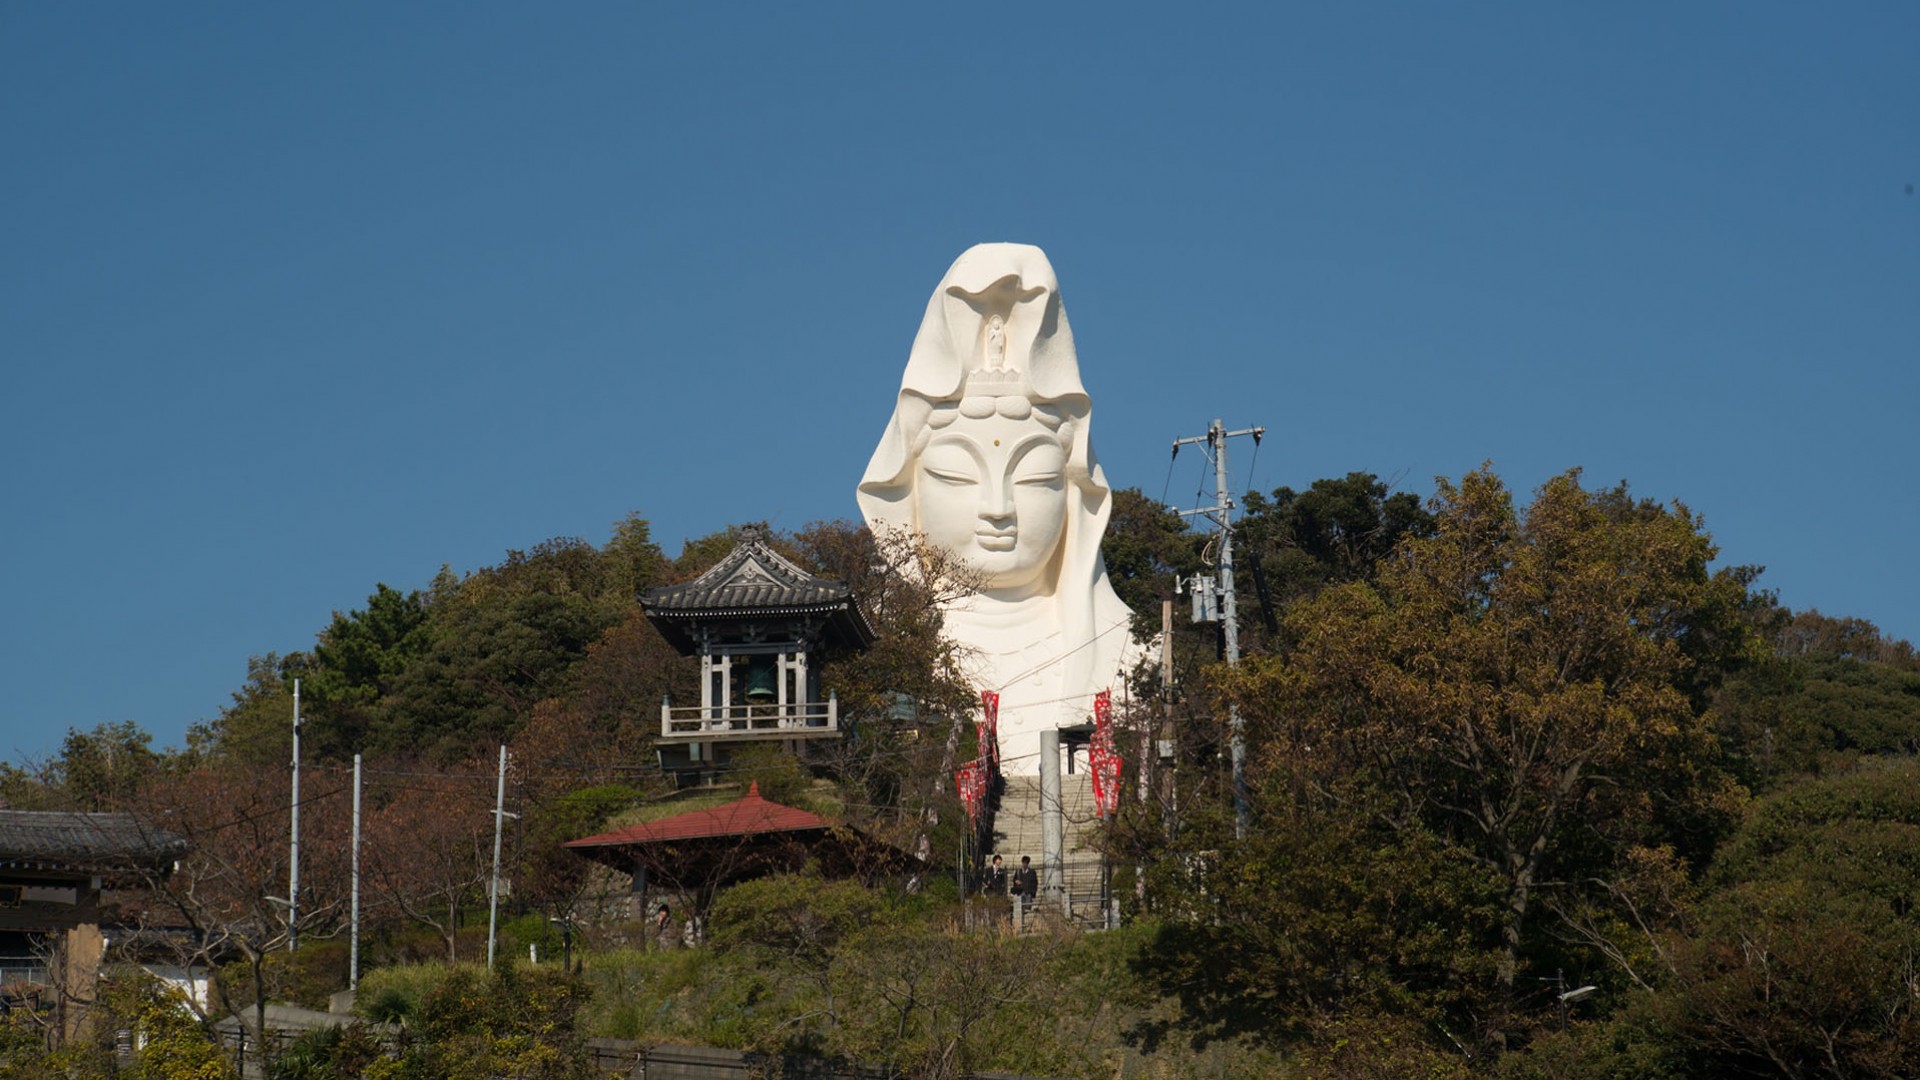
(293, 854)
(1220, 514)
(493, 890)
(353, 938)
(1170, 779)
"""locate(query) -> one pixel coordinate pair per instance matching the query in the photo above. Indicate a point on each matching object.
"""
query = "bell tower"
(759, 625)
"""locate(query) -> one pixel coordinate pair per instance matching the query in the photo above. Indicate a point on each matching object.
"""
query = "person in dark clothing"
(995, 881)
(1026, 885)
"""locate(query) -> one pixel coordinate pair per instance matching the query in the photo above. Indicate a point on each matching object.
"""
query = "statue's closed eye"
(951, 463)
(1042, 464)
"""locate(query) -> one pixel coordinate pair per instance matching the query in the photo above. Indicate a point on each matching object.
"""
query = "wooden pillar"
(79, 975)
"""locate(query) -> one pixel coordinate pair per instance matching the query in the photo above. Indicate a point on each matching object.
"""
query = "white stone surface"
(988, 455)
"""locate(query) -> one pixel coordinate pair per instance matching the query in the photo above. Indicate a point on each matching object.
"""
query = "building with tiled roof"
(53, 866)
(757, 583)
(760, 626)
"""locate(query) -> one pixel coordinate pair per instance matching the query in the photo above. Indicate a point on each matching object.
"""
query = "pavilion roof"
(749, 815)
(754, 580)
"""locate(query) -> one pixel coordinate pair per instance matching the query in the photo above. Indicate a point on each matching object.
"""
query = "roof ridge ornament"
(751, 572)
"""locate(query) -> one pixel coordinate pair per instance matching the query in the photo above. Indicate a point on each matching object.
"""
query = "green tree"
(1334, 532)
(1793, 959)
(922, 1000)
(1856, 706)
(105, 767)
(359, 656)
(1147, 548)
(499, 641)
(257, 729)
(1802, 960)
(1522, 685)
(1810, 713)
(175, 1046)
(1325, 909)
(508, 1022)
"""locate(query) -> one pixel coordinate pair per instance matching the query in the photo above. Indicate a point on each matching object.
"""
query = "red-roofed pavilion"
(703, 851)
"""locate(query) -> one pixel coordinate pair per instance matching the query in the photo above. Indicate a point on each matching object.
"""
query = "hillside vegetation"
(1534, 789)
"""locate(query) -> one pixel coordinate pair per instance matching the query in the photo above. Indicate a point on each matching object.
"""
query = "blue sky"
(295, 299)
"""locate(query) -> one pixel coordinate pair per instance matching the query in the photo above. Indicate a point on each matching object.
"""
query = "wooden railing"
(718, 723)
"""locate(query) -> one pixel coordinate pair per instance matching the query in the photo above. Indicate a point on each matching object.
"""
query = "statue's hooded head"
(987, 452)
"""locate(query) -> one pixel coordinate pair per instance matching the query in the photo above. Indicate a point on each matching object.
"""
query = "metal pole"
(1053, 833)
(353, 936)
(293, 854)
(493, 890)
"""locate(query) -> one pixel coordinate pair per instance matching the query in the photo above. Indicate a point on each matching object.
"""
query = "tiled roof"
(755, 581)
(753, 576)
(748, 816)
(84, 842)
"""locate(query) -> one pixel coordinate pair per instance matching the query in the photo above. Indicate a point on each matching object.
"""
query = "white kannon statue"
(987, 456)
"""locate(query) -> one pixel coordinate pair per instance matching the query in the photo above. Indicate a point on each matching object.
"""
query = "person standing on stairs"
(995, 881)
(1026, 884)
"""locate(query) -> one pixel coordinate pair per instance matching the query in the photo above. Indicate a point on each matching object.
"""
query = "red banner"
(989, 730)
(970, 781)
(1103, 760)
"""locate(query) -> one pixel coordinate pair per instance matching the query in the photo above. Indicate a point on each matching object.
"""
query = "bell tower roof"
(754, 582)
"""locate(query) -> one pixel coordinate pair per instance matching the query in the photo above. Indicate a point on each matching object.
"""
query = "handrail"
(794, 720)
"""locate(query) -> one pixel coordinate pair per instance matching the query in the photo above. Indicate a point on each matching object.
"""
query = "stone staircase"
(1017, 832)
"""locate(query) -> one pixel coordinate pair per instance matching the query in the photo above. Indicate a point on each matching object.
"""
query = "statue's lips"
(997, 541)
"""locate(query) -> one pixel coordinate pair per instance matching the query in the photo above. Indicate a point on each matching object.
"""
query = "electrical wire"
(1045, 664)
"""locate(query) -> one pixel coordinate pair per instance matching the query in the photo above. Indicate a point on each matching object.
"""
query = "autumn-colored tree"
(223, 907)
(428, 853)
(1811, 635)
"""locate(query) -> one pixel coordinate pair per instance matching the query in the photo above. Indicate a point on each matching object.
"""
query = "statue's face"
(994, 491)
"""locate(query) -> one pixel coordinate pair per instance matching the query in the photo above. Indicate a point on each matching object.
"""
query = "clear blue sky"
(298, 298)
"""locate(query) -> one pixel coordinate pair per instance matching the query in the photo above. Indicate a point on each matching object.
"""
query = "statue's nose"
(996, 501)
